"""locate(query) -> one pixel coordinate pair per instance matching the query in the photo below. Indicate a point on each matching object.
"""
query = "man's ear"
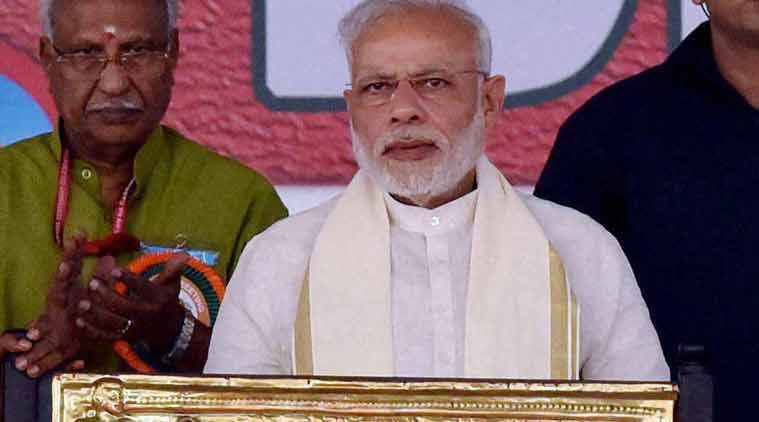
(348, 97)
(47, 58)
(174, 48)
(494, 92)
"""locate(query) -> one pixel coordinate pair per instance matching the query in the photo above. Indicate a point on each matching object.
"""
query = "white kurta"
(430, 252)
(430, 255)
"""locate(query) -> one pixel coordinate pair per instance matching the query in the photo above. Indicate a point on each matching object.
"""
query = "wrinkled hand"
(150, 311)
(54, 334)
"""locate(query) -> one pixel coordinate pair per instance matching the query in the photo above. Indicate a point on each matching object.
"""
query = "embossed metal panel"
(138, 398)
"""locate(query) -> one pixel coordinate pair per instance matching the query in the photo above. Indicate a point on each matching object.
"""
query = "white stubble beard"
(417, 178)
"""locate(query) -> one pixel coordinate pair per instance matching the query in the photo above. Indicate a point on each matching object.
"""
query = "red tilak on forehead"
(108, 37)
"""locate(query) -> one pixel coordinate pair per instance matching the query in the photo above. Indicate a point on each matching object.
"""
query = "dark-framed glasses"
(88, 64)
(434, 86)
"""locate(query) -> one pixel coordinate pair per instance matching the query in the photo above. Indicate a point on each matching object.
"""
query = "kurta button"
(86, 174)
(181, 240)
(435, 221)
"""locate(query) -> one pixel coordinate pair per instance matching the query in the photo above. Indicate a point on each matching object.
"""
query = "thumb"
(173, 269)
(104, 267)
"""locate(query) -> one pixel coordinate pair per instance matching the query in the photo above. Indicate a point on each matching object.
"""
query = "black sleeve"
(583, 171)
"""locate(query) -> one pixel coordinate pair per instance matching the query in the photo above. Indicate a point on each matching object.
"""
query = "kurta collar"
(155, 149)
(442, 219)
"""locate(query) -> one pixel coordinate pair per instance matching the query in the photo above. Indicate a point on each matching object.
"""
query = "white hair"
(366, 13)
(46, 15)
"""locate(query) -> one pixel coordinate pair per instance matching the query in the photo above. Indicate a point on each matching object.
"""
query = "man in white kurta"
(430, 261)
(430, 264)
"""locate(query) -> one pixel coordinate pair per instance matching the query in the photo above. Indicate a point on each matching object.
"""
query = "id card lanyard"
(118, 241)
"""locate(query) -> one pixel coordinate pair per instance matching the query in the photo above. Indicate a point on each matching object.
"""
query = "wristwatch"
(182, 341)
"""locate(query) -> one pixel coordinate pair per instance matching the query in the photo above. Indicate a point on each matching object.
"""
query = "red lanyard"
(118, 241)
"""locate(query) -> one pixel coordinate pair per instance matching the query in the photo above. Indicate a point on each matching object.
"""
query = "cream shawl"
(522, 319)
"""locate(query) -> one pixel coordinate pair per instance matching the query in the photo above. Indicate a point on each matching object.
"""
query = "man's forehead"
(396, 58)
(97, 21)
(414, 43)
(108, 34)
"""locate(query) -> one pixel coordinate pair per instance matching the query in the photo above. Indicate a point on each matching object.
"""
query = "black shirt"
(668, 162)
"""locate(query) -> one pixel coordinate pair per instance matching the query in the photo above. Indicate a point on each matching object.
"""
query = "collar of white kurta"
(521, 318)
(431, 222)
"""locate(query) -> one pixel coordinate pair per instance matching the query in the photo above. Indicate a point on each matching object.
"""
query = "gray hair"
(46, 15)
(366, 13)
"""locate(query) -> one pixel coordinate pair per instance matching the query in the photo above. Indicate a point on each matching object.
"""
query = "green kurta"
(183, 191)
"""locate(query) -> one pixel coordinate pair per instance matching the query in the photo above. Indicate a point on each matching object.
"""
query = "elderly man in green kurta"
(109, 187)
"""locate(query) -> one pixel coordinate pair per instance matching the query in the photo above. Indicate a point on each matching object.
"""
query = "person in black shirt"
(668, 162)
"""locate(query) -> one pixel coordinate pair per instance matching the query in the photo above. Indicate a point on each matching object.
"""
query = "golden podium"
(139, 398)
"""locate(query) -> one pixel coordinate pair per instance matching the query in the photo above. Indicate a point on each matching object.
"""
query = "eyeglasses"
(88, 64)
(437, 86)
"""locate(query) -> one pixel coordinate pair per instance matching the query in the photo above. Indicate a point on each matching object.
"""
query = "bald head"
(49, 9)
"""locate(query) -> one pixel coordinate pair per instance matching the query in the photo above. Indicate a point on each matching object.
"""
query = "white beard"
(424, 178)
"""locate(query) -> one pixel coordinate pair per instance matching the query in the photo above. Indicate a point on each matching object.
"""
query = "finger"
(77, 365)
(9, 343)
(37, 352)
(40, 328)
(76, 295)
(100, 317)
(173, 269)
(73, 247)
(34, 334)
(32, 330)
(44, 326)
(102, 295)
(49, 362)
(96, 333)
(106, 273)
(139, 286)
(104, 267)
(67, 271)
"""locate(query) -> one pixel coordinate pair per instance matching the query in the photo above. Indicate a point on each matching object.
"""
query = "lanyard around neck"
(115, 243)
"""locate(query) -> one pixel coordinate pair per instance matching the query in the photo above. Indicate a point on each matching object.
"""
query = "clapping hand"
(53, 339)
(150, 311)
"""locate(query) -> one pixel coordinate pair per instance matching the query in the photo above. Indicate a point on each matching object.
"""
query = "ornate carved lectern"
(81, 397)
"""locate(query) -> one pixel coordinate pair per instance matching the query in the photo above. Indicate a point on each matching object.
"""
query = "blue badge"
(208, 257)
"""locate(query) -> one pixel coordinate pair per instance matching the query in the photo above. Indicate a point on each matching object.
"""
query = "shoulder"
(286, 244)
(293, 236)
(563, 224)
(589, 252)
(30, 149)
(275, 261)
(627, 104)
(199, 159)
(29, 158)
(632, 93)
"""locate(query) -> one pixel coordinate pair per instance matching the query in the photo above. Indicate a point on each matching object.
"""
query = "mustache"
(114, 103)
(409, 134)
